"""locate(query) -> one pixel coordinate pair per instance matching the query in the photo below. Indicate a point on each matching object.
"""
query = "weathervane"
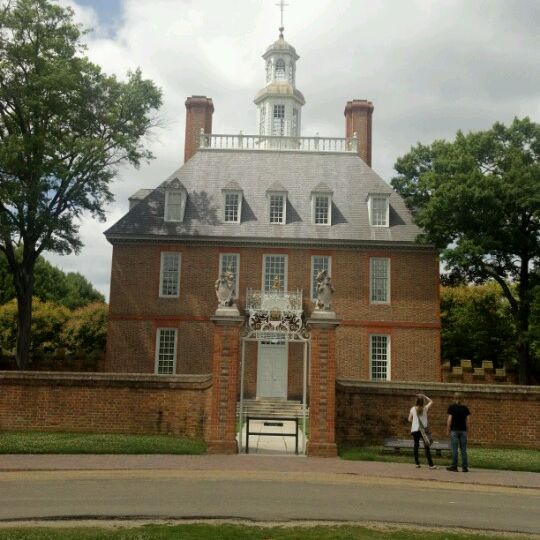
(281, 5)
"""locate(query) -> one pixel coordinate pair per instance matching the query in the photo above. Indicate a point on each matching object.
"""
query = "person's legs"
(463, 448)
(454, 447)
(416, 438)
(428, 455)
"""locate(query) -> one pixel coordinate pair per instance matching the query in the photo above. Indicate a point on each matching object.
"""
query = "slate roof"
(300, 173)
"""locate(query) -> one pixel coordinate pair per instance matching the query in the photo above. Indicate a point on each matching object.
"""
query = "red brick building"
(273, 210)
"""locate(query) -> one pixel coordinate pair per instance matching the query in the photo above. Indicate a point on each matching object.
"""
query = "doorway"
(272, 372)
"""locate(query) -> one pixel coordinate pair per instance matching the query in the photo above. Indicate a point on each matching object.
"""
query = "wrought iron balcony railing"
(275, 313)
(274, 300)
(267, 142)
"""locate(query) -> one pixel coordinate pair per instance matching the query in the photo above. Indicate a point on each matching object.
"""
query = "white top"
(414, 415)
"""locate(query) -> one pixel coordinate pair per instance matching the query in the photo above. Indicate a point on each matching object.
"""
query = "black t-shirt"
(459, 415)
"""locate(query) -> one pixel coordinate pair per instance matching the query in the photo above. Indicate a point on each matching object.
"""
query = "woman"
(418, 414)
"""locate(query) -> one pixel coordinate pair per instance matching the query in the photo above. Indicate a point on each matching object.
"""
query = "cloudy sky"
(430, 67)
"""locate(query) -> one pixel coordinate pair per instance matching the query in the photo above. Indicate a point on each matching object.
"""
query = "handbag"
(426, 433)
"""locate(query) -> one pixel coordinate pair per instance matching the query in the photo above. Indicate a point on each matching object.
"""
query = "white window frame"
(278, 129)
(238, 208)
(183, 197)
(372, 277)
(262, 119)
(371, 199)
(236, 275)
(283, 197)
(161, 269)
(314, 198)
(285, 270)
(158, 342)
(280, 62)
(314, 277)
(388, 357)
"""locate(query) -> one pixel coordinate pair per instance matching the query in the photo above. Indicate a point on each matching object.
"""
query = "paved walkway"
(266, 463)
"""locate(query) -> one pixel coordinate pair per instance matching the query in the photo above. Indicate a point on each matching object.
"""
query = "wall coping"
(128, 380)
(495, 390)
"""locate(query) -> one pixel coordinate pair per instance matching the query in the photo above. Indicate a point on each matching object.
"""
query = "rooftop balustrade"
(268, 142)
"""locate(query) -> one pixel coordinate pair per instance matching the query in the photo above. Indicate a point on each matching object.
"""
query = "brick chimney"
(199, 110)
(358, 113)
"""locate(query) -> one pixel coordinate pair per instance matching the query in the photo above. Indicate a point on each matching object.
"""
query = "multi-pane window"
(232, 207)
(278, 121)
(166, 351)
(174, 205)
(280, 69)
(379, 356)
(291, 73)
(379, 211)
(294, 124)
(275, 273)
(230, 262)
(277, 208)
(380, 280)
(318, 263)
(262, 120)
(321, 210)
(169, 283)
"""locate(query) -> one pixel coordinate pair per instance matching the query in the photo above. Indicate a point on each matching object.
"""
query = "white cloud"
(430, 67)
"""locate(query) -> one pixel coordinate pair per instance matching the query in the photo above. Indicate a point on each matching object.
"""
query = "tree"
(477, 324)
(72, 290)
(86, 328)
(64, 128)
(478, 200)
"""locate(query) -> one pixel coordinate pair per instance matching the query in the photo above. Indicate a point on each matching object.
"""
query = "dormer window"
(379, 209)
(277, 203)
(280, 70)
(321, 205)
(233, 203)
(175, 201)
(277, 208)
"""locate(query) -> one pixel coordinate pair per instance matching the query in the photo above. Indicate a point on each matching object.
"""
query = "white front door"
(272, 370)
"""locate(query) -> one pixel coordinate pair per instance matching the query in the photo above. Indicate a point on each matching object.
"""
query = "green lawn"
(239, 532)
(86, 443)
(510, 459)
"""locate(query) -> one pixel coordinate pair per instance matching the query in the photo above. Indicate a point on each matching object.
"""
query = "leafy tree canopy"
(71, 290)
(65, 126)
(477, 198)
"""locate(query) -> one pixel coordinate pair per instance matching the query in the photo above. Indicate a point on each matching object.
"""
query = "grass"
(509, 459)
(87, 443)
(236, 532)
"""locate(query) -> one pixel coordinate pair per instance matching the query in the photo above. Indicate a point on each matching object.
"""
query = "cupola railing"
(268, 142)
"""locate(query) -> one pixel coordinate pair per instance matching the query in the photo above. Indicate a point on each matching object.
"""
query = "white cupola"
(279, 103)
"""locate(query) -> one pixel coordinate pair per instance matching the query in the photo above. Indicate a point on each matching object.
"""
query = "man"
(456, 426)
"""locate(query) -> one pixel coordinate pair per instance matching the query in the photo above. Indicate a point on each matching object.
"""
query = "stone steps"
(272, 408)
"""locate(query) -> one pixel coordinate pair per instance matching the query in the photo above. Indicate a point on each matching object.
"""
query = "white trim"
(286, 268)
(388, 280)
(371, 198)
(237, 275)
(388, 357)
(156, 357)
(163, 253)
(328, 197)
(183, 195)
(238, 208)
(312, 282)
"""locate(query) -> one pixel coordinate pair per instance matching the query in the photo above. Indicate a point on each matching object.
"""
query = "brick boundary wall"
(105, 403)
(504, 416)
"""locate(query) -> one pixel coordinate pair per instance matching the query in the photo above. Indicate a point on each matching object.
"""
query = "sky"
(430, 67)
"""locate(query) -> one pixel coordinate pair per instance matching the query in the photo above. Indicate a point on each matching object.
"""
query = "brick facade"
(411, 319)
(500, 415)
(105, 403)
